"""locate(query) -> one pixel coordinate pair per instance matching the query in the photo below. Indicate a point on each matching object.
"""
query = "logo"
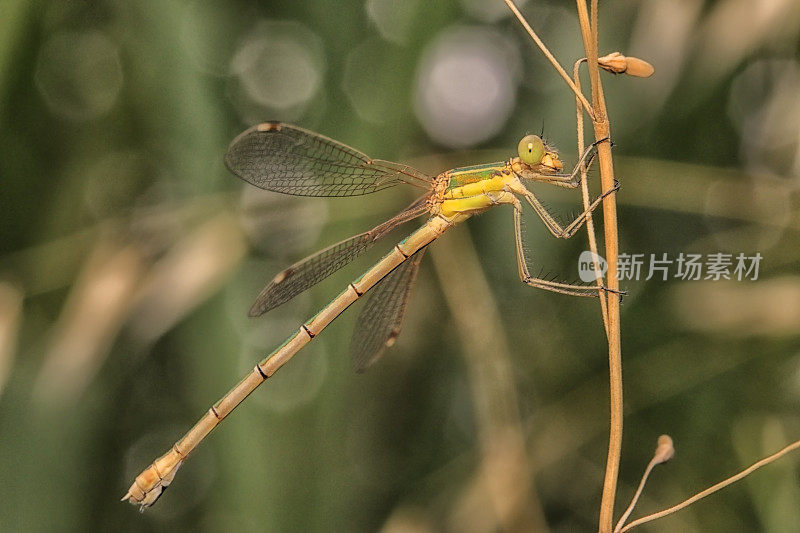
(588, 265)
(686, 266)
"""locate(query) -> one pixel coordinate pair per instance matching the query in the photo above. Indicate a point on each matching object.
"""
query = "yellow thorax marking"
(500, 180)
(478, 196)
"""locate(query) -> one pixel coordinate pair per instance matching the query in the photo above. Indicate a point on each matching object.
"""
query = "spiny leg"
(525, 275)
(550, 222)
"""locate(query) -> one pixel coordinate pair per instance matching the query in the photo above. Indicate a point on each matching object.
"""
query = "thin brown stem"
(586, 200)
(602, 129)
(714, 488)
(550, 57)
(636, 496)
(583, 21)
(664, 452)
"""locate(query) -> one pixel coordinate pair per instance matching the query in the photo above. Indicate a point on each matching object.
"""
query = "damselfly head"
(534, 152)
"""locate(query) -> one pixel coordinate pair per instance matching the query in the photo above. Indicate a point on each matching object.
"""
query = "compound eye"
(531, 150)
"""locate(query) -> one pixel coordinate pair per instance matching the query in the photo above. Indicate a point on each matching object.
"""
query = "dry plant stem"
(583, 20)
(664, 451)
(722, 484)
(586, 200)
(602, 129)
(653, 462)
(551, 57)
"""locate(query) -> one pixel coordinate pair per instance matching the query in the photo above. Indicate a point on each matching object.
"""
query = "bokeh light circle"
(278, 67)
(466, 85)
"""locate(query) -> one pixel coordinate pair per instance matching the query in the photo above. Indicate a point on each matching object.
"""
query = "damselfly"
(290, 160)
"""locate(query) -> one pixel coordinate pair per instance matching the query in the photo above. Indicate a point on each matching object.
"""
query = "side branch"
(714, 488)
(585, 195)
(551, 58)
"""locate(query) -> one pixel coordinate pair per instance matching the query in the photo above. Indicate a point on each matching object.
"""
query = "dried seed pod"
(620, 64)
(614, 62)
(665, 450)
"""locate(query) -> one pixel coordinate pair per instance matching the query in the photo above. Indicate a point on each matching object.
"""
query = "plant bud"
(620, 64)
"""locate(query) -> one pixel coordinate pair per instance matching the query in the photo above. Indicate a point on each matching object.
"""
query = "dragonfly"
(291, 160)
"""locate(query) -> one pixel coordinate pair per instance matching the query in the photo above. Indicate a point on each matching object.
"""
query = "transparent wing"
(287, 159)
(379, 322)
(313, 269)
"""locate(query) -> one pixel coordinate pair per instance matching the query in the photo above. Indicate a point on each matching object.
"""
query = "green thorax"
(464, 175)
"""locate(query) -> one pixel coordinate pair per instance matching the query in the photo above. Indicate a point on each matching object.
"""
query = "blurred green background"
(129, 258)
